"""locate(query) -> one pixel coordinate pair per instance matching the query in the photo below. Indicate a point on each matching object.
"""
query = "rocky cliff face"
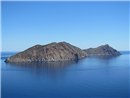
(102, 50)
(51, 52)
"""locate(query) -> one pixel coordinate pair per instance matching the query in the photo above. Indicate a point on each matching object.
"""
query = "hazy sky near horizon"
(82, 24)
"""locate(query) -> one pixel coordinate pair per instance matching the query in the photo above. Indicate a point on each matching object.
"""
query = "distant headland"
(61, 51)
(102, 50)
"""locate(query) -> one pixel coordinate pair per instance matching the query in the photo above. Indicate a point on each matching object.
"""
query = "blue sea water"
(93, 77)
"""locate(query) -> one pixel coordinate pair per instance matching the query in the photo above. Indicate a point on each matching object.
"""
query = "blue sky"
(82, 24)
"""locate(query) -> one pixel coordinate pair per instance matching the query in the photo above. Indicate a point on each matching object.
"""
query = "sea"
(92, 77)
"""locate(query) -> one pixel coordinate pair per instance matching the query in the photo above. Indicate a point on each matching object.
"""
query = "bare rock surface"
(61, 51)
(102, 50)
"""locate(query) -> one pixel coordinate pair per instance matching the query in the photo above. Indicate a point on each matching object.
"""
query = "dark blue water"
(96, 76)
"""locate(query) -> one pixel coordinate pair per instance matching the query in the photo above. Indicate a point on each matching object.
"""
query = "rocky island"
(61, 51)
(102, 50)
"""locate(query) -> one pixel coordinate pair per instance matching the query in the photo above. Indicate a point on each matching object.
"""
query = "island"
(61, 51)
(102, 50)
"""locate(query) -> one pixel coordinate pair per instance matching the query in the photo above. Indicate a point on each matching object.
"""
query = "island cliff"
(51, 52)
(102, 50)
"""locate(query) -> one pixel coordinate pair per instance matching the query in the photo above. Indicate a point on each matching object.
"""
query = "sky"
(83, 24)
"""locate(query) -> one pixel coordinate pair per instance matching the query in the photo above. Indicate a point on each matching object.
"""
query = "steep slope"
(102, 50)
(51, 52)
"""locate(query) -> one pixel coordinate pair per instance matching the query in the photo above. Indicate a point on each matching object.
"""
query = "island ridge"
(61, 51)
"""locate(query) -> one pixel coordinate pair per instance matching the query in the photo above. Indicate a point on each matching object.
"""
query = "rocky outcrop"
(51, 52)
(102, 50)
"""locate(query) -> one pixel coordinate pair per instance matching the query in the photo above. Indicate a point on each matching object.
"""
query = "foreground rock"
(102, 50)
(52, 52)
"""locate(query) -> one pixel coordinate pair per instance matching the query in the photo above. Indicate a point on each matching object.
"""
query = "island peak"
(61, 51)
(102, 50)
